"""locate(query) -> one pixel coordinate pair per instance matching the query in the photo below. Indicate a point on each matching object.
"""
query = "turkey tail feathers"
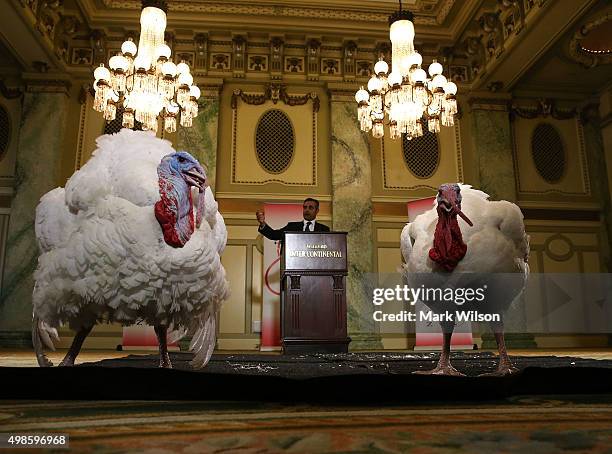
(203, 342)
(43, 334)
(176, 335)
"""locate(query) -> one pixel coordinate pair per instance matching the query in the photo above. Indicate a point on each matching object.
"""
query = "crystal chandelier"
(407, 95)
(144, 81)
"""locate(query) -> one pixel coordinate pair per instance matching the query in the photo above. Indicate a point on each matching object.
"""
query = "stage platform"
(352, 378)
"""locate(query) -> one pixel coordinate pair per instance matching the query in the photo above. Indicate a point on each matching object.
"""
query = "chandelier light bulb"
(419, 75)
(435, 68)
(450, 88)
(417, 59)
(113, 63)
(141, 62)
(362, 95)
(395, 78)
(163, 51)
(381, 67)
(118, 62)
(169, 69)
(102, 73)
(123, 63)
(439, 81)
(185, 78)
(374, 84)
(194, 92)
(182, 68)
(129, 47)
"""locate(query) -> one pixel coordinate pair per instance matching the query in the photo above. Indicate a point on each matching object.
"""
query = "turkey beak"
(444, 204)
(196, 178)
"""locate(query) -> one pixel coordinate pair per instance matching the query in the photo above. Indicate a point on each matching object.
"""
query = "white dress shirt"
(312, 224)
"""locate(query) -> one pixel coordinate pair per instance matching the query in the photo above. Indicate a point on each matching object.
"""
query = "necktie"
(308, 224)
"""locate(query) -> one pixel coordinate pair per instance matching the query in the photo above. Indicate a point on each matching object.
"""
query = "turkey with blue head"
(135, 237)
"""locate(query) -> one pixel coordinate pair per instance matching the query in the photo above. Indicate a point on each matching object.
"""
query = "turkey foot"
(447, 369)
(164, 358)
(444, 366)
(505, 366)
(502, 370)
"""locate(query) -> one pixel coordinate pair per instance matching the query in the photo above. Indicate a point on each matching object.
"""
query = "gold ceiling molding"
(282, 10)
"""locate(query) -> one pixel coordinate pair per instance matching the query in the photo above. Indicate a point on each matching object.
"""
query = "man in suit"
(308, 224)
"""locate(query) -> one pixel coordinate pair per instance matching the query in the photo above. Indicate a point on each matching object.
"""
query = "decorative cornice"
(274, 10)
(485, 103)
(341, 92)
(275, 93)
(47, 86)
(544, 108)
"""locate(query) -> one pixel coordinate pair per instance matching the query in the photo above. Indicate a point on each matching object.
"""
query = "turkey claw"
(165, 364)
(441, 370)
(502, 371)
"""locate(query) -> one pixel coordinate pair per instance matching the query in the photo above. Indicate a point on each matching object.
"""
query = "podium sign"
(313, 301)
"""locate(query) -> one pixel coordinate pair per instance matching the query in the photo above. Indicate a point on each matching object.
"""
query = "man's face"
(310, 210)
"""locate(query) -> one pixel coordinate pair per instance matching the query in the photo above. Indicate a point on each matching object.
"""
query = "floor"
(537, 425)
(26, 358)
(542, 424)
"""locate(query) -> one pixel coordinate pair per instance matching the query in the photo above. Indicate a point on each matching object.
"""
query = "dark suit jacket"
(277, 235)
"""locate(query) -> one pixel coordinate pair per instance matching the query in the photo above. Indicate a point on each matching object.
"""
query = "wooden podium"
(313, 293)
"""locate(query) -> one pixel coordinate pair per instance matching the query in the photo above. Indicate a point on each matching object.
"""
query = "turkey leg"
(444, 366)
(164, 358)
(505, 366)
(75, 348)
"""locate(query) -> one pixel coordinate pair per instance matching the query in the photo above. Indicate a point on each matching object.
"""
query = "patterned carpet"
(544, 424)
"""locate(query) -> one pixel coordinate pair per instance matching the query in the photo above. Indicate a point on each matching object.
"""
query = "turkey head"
(448, 246)
(177, 174)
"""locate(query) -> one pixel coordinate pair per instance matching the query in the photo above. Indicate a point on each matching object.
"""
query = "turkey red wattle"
(448, 246)
(175, 234)
(178, 173)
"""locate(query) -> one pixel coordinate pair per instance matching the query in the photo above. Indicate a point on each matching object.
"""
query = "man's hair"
(310, 199)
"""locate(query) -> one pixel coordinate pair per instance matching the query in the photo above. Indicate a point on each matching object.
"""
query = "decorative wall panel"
(248, 111)
(397, 175)
(573, 181)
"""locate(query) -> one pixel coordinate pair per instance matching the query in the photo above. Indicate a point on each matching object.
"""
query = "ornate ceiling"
(484, 44)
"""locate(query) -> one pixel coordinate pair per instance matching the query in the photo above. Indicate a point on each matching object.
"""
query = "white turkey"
(490, 239)
(121, 243)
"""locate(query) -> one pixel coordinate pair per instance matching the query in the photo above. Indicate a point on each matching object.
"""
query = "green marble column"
(492, 138)
(201, 139)
(352, 212)
(39, 154)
